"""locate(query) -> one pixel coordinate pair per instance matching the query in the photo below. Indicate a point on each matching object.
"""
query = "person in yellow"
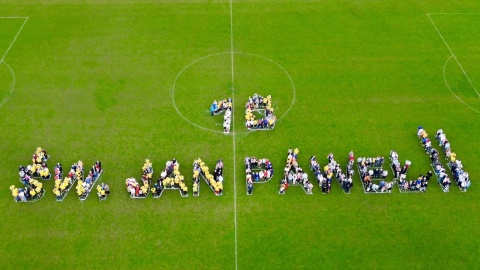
(177, 181)
(220, 187)
(101, 194)
(38, 189)
(79, 187)
(63, 187)
(32, 193)
(57, 194)
(453, 157)
(44, 172)
(184, 190)
(14, 191)
(195, 189)
(144, 190)
(78, 173)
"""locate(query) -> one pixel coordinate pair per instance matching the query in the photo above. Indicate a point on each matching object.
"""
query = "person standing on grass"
(213, 108)
(250, 188)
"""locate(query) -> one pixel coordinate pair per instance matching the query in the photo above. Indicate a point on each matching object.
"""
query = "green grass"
(94, 81)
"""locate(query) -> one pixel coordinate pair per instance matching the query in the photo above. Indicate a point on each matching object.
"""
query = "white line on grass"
(467, 13)
(13, 84)
(453, 55)
(224, 53)
(286, 73)
(233, 136)
(449, 88)
(11, 44)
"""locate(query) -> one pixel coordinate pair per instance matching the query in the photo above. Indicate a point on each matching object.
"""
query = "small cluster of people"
(261, 104)
(91, 179)
(58, 171)
(257, 170)
(170, 178)
(400, 174)
(31, 192)
(333, 169)
(397, 169)
(134, 188)
(293, 174)
(214, 181)
(460, 176)
(418, 185)
(381, 187)
(324, 179)
(371, 169)
(38, 168)
(103, 191)
(76, 173)
(440, 172)
(220, 107)
(61, 188)
(371, 162)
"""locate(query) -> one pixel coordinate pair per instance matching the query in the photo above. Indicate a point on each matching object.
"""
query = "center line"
(233, 133)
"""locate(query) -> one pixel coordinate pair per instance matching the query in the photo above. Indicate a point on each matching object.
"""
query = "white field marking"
(222, 53)
(286, 73)
(231, 46)
(460, 65)
(233, 136)
(13, 84)
(173, 91)
(467, 13)
(449, 88)
(14, 39)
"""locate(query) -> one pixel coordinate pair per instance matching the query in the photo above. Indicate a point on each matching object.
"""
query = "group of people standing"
(460, 176)
(220, 107)
(263, 105)
(214, 181)
(294, 175)
(257, 171)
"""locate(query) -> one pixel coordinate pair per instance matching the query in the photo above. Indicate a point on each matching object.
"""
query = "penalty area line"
(453, 55)
(16, 36)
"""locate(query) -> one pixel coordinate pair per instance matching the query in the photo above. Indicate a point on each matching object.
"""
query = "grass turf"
(94, 79)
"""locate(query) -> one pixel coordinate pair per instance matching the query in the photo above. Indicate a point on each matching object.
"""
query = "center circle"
(209, 78)
(6, 86)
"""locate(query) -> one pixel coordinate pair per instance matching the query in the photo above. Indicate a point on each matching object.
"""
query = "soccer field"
(124, 81)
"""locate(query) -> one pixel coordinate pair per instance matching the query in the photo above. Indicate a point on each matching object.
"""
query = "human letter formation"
(374, 179)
